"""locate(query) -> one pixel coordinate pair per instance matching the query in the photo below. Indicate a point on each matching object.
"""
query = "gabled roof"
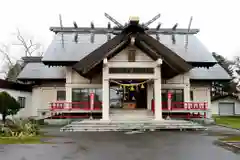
(64, 50)
(145, 42)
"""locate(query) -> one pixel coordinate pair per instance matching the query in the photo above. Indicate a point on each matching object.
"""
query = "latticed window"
(22, 101)
(61, 95)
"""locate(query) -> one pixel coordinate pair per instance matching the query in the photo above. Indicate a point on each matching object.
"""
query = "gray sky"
(217, 19)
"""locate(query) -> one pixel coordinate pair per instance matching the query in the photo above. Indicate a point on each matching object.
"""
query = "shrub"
(20, 128)
(8, 105)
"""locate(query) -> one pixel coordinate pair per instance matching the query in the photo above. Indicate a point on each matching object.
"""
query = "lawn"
(231, 139)
(229, 121)
(26, 140)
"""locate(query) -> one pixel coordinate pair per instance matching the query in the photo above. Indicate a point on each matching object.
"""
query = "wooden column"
(158, 91)
(105, 91)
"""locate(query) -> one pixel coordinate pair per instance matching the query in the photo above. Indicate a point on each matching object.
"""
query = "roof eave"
(59, 63)
(202, 64)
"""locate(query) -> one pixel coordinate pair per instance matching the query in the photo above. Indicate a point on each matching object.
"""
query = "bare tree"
(7, 61)
(30, 48)
(11, 66)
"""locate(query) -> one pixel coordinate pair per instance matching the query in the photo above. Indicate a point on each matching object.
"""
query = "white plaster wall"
(123, 56)
(202, 93)
(215, 109)
(24, 112)
(179, 79)
(72, 77)
(179, 82)
(41, 97)
(74, 80)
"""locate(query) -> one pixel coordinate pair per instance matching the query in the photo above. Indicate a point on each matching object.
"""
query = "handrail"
(203, 106)
(82, 105)
(85, 105)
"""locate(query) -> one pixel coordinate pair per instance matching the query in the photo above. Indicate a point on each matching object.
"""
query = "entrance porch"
(108, 76)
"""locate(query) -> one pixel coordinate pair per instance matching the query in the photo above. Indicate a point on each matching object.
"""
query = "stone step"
(129, 110)
(116, 124)
(132, 127)
(76, 129)
(98, 125)
(137, 115)
(132, 122)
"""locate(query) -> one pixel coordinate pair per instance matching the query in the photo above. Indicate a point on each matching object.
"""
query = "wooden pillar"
(158, 91)
(105, 91)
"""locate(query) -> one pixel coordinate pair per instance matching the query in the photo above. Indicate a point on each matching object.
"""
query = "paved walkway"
(223, 130)
(121, 146)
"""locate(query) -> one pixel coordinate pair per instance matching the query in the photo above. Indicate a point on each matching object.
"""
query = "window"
(79, 95)
(177, 96)
(22, 101)
(83, 95)
(191, 95)
(61, 95)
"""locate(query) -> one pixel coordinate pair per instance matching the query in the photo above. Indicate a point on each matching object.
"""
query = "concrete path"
(223, 130)
(121, 146)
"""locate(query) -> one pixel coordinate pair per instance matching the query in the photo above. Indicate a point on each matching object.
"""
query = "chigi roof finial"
(61, 25)
(133, 26)
(189, 27)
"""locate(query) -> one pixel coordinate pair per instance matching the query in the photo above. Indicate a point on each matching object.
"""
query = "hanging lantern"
(142, 86)
(133, 98)
(132, 88)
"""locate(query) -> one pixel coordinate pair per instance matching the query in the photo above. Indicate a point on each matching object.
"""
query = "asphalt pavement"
(165, 145)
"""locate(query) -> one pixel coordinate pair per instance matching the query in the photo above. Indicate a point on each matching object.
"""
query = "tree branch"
(29, 48)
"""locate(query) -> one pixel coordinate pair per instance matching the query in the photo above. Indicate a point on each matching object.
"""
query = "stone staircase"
(129, 125)
(129, 114)
(128, 120)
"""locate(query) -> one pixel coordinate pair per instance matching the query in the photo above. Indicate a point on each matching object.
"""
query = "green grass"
(25, 140)
(229, 121)
(231, 139)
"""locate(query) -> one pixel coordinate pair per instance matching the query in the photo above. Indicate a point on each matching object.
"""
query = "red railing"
(83, 105)
(201, 106)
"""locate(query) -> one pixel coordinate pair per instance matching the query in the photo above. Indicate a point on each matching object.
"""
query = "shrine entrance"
(128, 94)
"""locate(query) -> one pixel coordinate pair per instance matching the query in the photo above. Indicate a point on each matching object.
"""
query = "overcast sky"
(218, 20)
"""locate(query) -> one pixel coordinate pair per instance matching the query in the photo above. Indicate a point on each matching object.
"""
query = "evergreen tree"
(8, 105)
